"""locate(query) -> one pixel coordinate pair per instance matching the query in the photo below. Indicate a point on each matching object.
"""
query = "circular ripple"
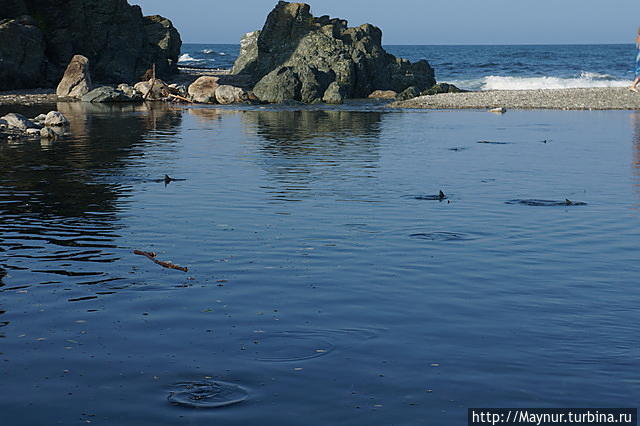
(442, 236)
(207, 394)
(291, 346)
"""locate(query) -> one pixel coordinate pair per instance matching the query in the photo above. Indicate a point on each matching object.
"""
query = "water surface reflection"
(59, 201)
(298, 148)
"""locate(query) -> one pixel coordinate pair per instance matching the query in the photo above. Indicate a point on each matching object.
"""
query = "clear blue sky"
(422, 21)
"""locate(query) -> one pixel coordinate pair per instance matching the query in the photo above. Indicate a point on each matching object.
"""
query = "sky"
(421, 21)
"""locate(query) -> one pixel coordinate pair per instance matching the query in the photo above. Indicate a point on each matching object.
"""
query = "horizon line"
(468, 44)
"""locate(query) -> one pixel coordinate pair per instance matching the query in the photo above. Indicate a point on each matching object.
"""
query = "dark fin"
(442, 195)
(568, 202)
(167, 178)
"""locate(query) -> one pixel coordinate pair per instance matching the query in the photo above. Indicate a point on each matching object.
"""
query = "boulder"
(334, 94)
(152, 90)
(55, 118)
(441, 88)
(178, 89)
(109, 94)
(203, 90)
(47, 133)
(382, 94)
(22, 54)
(128, 90)
(118, 41)
(3, 124)
(20, 122)
(308, 53)
(76, 81)
(32, 132)
(226, 94)
(40, 119)
(408, 93)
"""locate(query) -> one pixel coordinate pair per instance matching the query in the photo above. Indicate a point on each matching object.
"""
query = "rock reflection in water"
(59, 201)
(299, 147)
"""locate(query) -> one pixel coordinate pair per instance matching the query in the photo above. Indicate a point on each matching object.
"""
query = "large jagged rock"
(76, 81)
(163, 41)
(297, 56)
(120, 43)
(22, 59)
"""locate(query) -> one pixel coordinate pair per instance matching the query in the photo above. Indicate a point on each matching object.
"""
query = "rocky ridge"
(300, 57)
(38, 38)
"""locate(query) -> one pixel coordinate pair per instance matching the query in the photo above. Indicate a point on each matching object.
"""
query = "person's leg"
(634, 84)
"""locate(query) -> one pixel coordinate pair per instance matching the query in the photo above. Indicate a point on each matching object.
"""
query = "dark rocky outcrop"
(408, 93)
(441, 88)
(22, 53)
(108, 94)
(119, 42)
(297, 56)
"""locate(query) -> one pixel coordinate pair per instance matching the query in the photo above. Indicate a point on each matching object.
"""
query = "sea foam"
(584, 80)
(185, 57)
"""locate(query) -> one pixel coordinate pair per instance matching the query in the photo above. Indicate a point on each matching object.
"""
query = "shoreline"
(580, 99)
(186, 76)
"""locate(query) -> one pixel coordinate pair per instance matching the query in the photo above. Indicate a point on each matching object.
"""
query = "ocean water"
(327, 283)
(513, 67)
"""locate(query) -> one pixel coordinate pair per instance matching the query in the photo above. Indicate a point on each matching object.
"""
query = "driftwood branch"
(152, 256)
(180, 97)
(153, 82)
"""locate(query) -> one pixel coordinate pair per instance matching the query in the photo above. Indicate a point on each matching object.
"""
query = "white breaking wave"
(585, 80)
(208, 51)
(185, 57)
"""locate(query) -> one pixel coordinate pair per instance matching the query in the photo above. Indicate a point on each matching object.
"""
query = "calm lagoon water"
(320, 290)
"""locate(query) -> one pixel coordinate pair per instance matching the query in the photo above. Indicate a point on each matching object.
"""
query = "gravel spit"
(598, 98)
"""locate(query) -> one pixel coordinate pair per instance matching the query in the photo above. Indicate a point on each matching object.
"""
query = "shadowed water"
(321, 288)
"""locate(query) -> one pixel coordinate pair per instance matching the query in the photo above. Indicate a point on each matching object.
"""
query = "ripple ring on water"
(207, 394)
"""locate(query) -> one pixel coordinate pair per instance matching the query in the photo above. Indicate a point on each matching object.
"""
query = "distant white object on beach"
(499, 110)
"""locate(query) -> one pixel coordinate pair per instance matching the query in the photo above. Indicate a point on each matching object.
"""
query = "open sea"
(509, 67)
(327, 281)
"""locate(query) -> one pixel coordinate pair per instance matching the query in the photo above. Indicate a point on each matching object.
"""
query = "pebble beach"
(597, 98)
